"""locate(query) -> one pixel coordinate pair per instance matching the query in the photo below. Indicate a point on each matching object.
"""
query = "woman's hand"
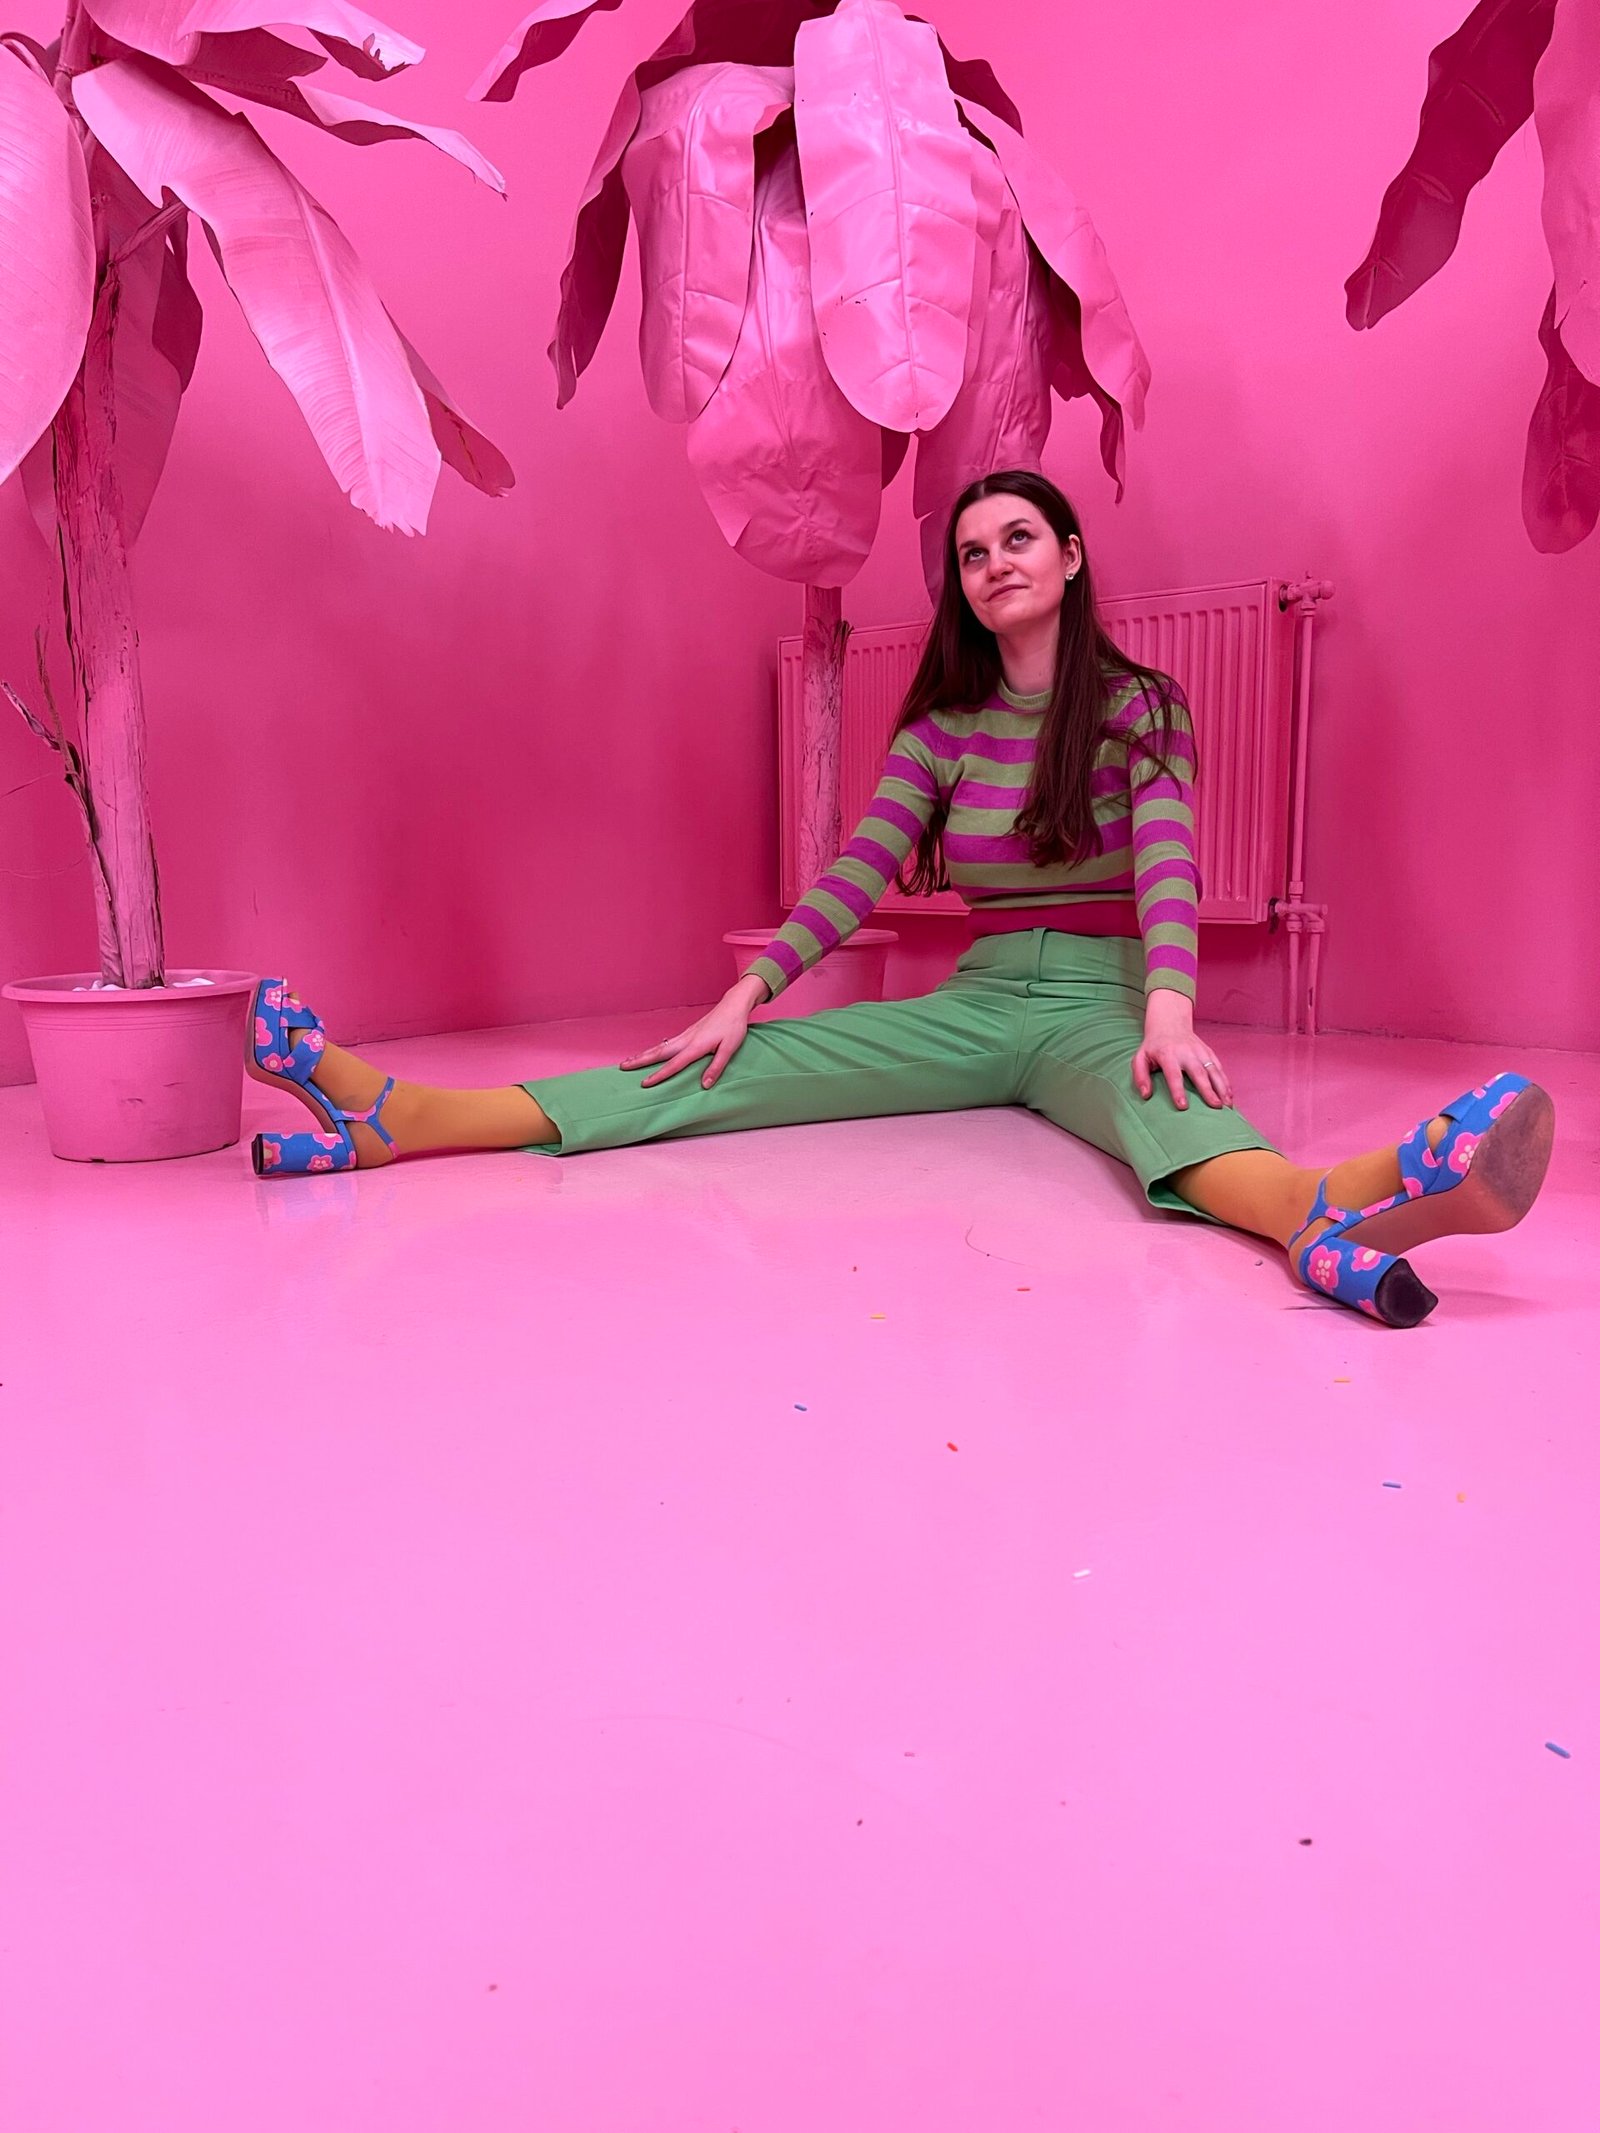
(1171, 1048)
(719, 1033)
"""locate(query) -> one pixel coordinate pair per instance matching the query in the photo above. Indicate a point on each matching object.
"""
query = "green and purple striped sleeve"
(848, 893)
(1166, 878)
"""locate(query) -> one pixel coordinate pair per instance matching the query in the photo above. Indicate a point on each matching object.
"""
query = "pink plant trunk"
(822, 683)
(104, 648)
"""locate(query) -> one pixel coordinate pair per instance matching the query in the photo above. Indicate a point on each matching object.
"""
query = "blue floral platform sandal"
(1484, 1175)
(284, 1043)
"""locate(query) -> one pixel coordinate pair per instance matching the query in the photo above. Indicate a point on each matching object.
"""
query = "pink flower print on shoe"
(1358, 1277)
(1462, 1153)
(320, 1162)
(1504, 1105)
(271, 1154)
(1324, 1268)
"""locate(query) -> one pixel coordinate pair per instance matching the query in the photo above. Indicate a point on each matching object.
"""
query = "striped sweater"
(981, 762)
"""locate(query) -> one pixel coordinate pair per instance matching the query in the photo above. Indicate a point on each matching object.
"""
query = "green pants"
(1047, 1020)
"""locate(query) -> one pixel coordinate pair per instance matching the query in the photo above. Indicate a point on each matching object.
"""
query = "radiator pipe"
(1304, 595)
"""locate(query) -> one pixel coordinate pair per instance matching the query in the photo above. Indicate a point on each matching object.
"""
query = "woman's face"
(1013, 569)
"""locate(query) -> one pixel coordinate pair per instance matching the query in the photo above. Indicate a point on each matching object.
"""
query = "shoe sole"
(1508, 1168)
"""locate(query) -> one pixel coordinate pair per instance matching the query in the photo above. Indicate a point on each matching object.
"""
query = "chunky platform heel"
(283, 1045)
(1357, 1275)
(1484, 1175)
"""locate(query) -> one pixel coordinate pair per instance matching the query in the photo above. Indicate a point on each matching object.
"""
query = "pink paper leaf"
(537, 39)
(888, 184)
(690, 175)
(1001, 416)
(757, 32)
(306, 296)
(594, 258)
(1561, 474)
(974, 80)
(247, 62)
(1567, 110)
(1071, 246)
(263, 68)
(475, 458)
(46, 256)
(172, 29)
(793, 474)
(1073, 381)
(1480, 90)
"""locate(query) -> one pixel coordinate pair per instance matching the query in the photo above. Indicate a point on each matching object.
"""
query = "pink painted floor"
(844, 1628)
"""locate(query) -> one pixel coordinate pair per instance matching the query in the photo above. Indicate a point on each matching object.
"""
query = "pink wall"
(1233, 159)
(470, 779)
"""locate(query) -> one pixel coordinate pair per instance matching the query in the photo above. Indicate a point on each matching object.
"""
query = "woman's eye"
(1021, 534)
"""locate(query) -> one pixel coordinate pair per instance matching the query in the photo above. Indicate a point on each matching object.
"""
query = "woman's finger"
(1174, 1073)
(667, 1046)
(713, 1073)
(675, 1065)
(1214, 1082)
(1141, 1074)
(1208, 1081)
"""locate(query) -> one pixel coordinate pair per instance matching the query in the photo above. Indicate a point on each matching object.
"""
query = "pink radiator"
(1231, 647)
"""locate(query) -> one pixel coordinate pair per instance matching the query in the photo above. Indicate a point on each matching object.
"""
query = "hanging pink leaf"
(172, 29)
(263, 68)
(537, 39)
(1071, 246)
(974, 80)
(793, 474)
(306, 296)
(594, 258)
(1073, 381)
(888, 185)
(46, 255)
(248, 62)
(1561, 474)
(475, 458)
(690, 172)
(758, 32)
(896, 444)
(1480, 90)
(1001, 416)
(1567, 110)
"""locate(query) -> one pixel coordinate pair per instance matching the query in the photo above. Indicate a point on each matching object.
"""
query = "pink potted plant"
(1509, 61)
(844, 242)
(109, 141)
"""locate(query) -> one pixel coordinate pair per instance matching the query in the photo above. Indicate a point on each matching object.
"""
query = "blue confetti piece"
(1393, 1484)
(1556, 1748)
(799, 1410)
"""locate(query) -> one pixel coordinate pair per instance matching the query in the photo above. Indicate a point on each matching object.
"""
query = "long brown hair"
(960, 669)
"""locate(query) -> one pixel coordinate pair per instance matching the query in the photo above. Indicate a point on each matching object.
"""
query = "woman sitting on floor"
(1050, 778)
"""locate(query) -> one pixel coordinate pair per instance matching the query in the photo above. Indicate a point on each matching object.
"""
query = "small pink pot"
(134, 1077)
(853, 971)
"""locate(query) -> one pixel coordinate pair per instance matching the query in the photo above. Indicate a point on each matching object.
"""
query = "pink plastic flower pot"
(133, 1077)
(852, 971)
